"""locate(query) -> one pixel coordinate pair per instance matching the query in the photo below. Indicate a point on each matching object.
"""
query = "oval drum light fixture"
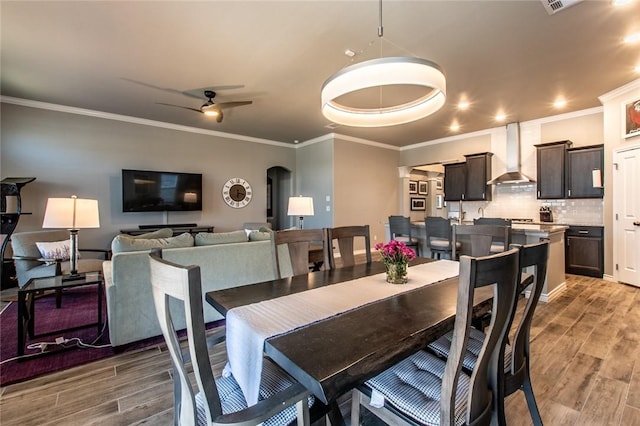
(377, 73)
(384, 72)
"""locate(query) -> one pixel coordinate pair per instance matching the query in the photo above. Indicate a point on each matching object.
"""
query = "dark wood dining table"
(332, 356)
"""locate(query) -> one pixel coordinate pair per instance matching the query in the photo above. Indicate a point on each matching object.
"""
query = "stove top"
(520, 220)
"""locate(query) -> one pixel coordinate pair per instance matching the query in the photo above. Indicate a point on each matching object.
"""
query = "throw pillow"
(259, 235)
(124, 243)
(55, 250)
(210, 238)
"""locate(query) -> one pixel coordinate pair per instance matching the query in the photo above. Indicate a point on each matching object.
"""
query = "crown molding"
(135, 120)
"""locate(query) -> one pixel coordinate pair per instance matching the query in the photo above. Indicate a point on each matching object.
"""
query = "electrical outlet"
(375, 238)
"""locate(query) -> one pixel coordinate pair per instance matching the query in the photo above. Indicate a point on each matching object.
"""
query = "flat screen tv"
(152, 191)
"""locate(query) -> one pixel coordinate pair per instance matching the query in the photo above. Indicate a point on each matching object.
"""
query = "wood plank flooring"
(585, 371)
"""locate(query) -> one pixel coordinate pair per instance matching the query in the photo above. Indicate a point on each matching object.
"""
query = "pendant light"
(377, 73)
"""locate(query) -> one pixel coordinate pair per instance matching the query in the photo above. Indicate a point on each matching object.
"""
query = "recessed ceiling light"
(350, 53)
(560, 103)
(632, 38)
(462, 105)
(454, 126)
(501, 116)
(620, 2)
(637, 68)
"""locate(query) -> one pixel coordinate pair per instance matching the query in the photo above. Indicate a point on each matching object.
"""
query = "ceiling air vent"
(555, 6)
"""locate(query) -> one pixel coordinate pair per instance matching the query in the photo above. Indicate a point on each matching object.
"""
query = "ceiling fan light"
(210, 110)
(384, 72)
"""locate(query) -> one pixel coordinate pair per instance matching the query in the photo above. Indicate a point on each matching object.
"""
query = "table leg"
(335, 417)
(100, 290)
(58, 298)
(24, 319)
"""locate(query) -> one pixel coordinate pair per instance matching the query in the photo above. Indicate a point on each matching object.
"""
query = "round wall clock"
(236, 192)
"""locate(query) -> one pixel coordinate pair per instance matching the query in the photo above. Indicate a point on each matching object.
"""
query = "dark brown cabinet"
(454, 181)
(551, 168)
(477, 176)
(584, 251)
(581, 164)
(468, 181)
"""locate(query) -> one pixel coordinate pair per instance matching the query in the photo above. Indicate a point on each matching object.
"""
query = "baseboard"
(546, 298)
(609, 278)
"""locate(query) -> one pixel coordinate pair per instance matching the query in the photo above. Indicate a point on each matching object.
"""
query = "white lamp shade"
(300, 206)
(71, 213)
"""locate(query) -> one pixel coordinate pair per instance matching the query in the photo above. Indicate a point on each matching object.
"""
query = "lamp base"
(301, 223)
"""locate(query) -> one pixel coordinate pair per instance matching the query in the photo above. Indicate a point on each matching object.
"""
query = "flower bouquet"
(395, 255)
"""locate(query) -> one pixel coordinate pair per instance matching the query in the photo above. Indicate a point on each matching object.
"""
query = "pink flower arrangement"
(395, 252)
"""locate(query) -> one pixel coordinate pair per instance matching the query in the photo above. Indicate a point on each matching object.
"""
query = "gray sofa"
(226, 260)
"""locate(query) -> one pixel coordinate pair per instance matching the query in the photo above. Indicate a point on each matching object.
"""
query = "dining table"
(335, 354)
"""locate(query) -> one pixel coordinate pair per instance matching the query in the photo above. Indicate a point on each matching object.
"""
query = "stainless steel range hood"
(513, 174)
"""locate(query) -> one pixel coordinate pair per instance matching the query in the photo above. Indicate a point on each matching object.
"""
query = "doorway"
(626, 214)
(278, 193)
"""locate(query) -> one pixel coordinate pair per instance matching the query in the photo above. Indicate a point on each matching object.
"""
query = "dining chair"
(438, 231)
(218, 401)
(497, 245)
(481, 239)
(424, 389)
(291, 250)
(517, 356)
(400, 230)
(346, 236)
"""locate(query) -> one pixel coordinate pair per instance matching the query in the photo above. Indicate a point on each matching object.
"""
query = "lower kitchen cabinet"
(584, 250)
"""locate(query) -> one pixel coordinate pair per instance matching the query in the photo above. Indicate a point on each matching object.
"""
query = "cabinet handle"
(636, 223)
(583, 232)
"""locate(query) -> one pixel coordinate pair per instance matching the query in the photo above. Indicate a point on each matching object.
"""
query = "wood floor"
(585, 371)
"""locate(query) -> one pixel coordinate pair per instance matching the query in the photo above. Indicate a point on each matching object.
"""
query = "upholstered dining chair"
(516, 357)
(424, 389)
(345, 235)
(438, 236)
(291, 250)
(480, 239)
(400, 230)
(498, 245)
(218, 401)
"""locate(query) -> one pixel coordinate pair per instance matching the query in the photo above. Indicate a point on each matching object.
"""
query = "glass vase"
(397, 273)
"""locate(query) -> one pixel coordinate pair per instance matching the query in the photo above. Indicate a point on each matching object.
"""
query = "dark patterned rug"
(79, 306)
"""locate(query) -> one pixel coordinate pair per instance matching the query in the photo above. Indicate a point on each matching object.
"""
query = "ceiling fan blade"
(233, 104)
(192, 93)
(219, 117)
(180, 106)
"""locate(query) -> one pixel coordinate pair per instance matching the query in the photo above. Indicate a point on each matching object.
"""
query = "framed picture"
(423, 187)
(418, 204)
(439, 184)
(632, 119)
(413, 187)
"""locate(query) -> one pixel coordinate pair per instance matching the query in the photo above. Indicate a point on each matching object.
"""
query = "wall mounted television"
(152, 191)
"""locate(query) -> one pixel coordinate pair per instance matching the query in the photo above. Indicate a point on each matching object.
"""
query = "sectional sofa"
(226, 260)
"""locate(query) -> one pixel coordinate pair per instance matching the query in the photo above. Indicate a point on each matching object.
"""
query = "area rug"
(79, 306)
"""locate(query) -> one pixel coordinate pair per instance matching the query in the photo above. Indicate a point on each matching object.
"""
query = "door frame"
(617, 225)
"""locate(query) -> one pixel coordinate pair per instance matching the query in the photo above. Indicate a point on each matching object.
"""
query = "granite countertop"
(548, 228)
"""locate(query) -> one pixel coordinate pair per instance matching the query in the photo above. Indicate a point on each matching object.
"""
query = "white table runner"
(248, 326)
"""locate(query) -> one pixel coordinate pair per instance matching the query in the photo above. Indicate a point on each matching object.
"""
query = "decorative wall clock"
(236, 192)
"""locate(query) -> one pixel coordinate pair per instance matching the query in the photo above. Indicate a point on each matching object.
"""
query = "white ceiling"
(109, 56)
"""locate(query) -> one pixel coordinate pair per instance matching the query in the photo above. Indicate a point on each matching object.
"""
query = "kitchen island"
(522, 233)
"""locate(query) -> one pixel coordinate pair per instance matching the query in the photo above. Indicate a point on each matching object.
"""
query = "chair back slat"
(400, 229)
(172, 281)
(345, 235)
(500, 271)
(298, 242)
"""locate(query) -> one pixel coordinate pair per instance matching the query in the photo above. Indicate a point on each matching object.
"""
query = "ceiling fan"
(211, 108)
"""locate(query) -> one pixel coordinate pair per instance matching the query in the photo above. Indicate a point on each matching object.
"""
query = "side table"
(26, 306)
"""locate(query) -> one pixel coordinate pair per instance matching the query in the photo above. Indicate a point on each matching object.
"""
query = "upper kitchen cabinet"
(468, 181)
(478, 174)
(552, 160)
(454, 181)
(584, 172)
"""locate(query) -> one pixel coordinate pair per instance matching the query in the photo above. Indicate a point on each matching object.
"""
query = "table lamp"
(72, 213)
(300, 206)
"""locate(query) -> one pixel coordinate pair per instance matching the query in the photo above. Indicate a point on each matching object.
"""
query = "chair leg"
(302, 412)
(531, 401)
(355, 408)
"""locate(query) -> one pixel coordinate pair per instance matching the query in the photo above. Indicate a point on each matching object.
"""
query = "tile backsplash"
(519, 201)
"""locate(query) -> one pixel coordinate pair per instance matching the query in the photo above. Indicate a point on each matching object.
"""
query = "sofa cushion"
(259, 235)
(123, 243)
(159, 233)
(210, 238)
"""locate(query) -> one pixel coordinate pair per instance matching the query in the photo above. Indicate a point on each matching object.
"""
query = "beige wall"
(83, 155)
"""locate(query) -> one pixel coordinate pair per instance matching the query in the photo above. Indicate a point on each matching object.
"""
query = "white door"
(626, 208)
